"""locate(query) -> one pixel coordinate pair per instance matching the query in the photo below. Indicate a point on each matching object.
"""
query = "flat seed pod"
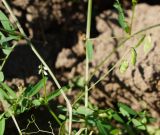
(133, 56)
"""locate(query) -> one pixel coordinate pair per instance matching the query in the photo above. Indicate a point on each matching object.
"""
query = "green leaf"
(35, 89)
(124, 112)
(5, 22)
(7, 50)
(138, 124)
(117, 118)
(9, 90)
(133, 56)
(84, 111)
(115, 132)
(147, 44)
(7, 39)
(2, 37)
(1, 76)
(101, 128)
(121, 17)
(124, 66)
(62, 117)
(36, 102)
(127, 108)
(89, 49)
(2, 126)
(56, 93)
(3, 94)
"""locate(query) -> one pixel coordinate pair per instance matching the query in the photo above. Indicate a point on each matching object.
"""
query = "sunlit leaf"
(9, 90)
(138, 124)
(124, 66)
(84, 111)
(1, 76)
(7, 50)
(2, 126)
(121, 17)
(124, 112)
(5, 22)
(127, 108)
(147, 44)
(115, 132)
(117, 118)
(3, 94)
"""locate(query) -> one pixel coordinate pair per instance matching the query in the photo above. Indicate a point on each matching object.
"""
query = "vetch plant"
(92, 120)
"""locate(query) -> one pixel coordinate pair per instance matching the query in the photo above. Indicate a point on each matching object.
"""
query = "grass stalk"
(88, 31)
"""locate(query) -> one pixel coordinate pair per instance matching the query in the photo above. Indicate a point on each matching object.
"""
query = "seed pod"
(133, 56)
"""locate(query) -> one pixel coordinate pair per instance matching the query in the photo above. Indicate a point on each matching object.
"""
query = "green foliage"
(121, 17)
(1, 76)
(56, 93)
(2, 126)
(84, 111)
(147, 44)
(31, 91)
(124, 66)
(5, 22)
(111, 121)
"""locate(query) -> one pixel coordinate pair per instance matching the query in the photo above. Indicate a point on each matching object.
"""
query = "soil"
(57, 29)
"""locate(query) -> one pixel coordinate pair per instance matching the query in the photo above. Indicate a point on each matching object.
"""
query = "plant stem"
(132, 18)
(53, 114)
(44, 63)
(88, 29)
(15, 122)
(4, 61)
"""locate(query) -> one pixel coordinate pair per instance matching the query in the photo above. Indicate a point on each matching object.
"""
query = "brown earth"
(57, 27)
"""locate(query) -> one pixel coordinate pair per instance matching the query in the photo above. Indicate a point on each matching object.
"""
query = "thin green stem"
(132, 18)
(102, 78)
(88, 31)
(4, 61)
(53, 114)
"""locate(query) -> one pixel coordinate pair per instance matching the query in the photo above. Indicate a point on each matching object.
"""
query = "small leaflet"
(1, 76)
(147, 44)
(124, 66)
